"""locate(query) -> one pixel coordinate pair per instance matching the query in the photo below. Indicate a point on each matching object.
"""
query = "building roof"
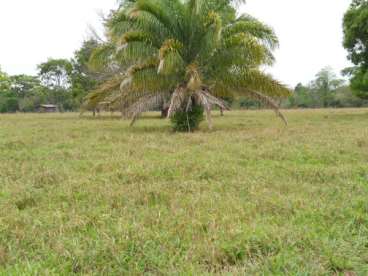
(48, 105)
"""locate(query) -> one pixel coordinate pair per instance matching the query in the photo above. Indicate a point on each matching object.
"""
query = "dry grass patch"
(95, 197)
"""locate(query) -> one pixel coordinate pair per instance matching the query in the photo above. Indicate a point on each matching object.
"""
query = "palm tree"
(185, 53)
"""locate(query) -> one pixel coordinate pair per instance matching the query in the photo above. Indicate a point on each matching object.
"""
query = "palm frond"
(177, 100)
(170, 58)
(192, 51)
(266, 84)
(204, 100)
(212, 100)
(144, 104)
(102, 56)
(101, 93)
(267, 101)
(249, 25)
(156, 9)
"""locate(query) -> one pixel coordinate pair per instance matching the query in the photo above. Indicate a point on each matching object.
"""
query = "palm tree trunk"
(164, 112)
(209, 117)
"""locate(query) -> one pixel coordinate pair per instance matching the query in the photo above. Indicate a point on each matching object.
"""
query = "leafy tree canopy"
(356, 42)
(4, 81)
(22, 85)
(55, 73)
(3, 75)
(82, 78)
(327, 80)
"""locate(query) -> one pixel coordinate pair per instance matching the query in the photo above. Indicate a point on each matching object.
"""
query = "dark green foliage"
(356, 32)
(326, 91)
(245, 103)
(25, 202)
(345, 97)
(359, 82)
(20, 93)
(61, 82)
(302, 97)
(325, 85)
(8, 103)
(55, 73)
(187, 121)
(70, 80)
(228, 99)
(83, 80)
(356, 42)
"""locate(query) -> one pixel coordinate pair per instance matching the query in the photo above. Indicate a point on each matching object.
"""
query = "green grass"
(95, 197)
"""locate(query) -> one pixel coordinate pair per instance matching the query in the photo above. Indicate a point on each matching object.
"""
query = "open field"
(95, 197)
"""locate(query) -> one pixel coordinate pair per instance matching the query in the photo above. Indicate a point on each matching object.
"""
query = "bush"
(187, 121)
(228, 99)
(28, 104)
(245, 103)
(8, 104)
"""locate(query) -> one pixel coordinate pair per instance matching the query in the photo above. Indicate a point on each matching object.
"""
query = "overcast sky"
(310, 32)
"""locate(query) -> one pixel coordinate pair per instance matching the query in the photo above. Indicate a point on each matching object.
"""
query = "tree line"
(327, 90)
(87, 79)
(62, 82)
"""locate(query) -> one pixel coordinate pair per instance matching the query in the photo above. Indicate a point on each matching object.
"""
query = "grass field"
(95, 197)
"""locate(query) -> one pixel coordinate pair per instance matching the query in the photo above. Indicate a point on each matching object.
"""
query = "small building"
(48, 108)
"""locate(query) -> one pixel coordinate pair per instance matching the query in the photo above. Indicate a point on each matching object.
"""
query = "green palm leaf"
(191, 51)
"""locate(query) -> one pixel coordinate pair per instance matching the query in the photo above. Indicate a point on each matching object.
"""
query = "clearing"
(93, 196)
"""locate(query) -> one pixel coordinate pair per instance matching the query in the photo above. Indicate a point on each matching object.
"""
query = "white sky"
(310, 32)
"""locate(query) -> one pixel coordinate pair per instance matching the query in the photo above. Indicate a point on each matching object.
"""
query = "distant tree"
(246, 103)
(56, 76)
(302, 97)
(326, 90)
(4, 81)
(25, 93)
(356, 42)
(83, 79)
(3, 75)
(56, 73)
(28, 91)
(345, 97)
(325, 85)
(69, 81)
(8, 100)
(23, 85)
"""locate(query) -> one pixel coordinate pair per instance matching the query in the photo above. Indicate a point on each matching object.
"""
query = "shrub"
(245, 103)
(187, 121)
(8, 104)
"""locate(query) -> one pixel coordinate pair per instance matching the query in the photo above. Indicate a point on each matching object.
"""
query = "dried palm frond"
(267, 101)
(177, 100)
(214, 101)
(203, 100)
(144, 104)
(99, 95)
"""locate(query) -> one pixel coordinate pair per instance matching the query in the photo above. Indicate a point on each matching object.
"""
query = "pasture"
(96, 197)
